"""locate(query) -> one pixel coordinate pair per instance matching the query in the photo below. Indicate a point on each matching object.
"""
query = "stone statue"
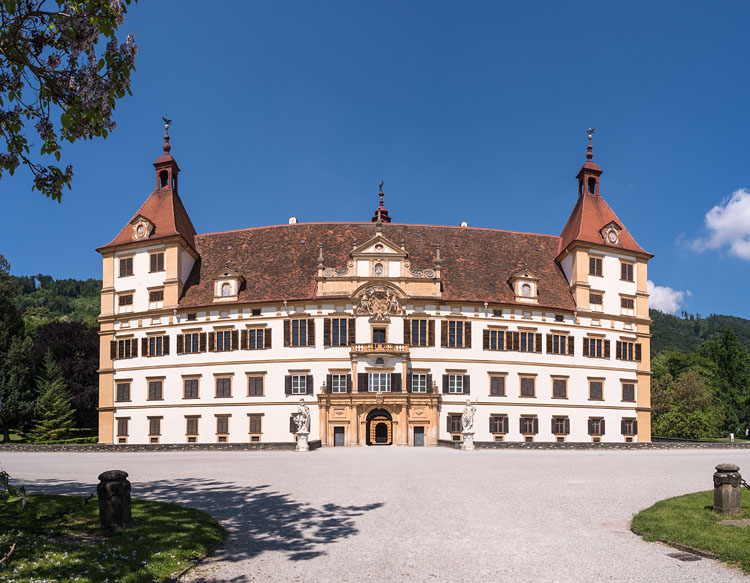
(467, 419)
(303, 417)
(378, 303)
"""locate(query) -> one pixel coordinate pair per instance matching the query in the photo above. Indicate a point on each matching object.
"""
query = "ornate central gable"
(378, 262)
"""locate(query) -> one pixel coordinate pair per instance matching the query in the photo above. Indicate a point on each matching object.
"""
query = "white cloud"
(665, 299)
(728, 224)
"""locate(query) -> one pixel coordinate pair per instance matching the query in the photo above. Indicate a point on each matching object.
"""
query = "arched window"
(526, 290)
(226, 289)
(378, 271)
(163, 178)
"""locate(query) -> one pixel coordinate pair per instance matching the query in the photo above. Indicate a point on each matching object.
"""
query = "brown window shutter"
(485, 340)
(407, 332)
(429, 383)
(352, 331)
(618, 350)
(408, 382)
(288, 384)
(311, 332)
(444, 333)
(467, 334)
(267, 338)
(492, 428)
(445, 384)
(536, 425)
(448, 425)
(571, 345)
(591, 428)
(521, 426)
(292, 425)
(638, 352)
(549, 343)
(180, 344)
(467, 384)
(243, 340)
(166, 346)
(361, 382)
(287, 332)
(329, 382)
(606, 349)
(538, 342)
(431, 332)
(113, 349)
(211, 341)
(326, 332)
(601, 425)
(635, 426)
(202, 341)
(144, 347)
(622, 426)
(553, 426)
(309, 388)
(516, 340)
(585, 346)
(396, 382)
(567, 426)
(235, 339)
(348, 383)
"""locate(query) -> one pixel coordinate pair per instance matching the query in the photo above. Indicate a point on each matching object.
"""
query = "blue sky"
(469, 111)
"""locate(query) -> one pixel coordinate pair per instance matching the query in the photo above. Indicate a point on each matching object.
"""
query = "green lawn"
(164, 540)
(689, 520)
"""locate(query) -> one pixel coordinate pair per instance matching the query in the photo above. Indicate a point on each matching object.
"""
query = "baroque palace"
(384, 329)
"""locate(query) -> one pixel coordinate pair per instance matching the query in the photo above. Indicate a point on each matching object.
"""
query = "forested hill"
(42, 299)
(688, 332)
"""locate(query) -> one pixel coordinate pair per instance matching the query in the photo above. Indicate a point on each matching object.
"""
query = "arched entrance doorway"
(379, 427)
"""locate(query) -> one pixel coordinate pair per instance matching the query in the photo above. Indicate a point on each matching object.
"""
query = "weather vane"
(167, 122)
(380, 186)
(591, 132)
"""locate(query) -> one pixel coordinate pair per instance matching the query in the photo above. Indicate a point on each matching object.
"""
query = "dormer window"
(142, 228)
(611, 233)
(227, 285)
(525, 286)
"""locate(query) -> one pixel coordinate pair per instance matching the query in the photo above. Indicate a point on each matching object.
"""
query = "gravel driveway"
(414, 514)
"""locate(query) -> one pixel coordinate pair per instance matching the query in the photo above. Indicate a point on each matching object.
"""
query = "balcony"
(378, 348)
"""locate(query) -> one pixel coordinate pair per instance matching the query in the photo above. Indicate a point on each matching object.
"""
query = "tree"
(53, 415)
(684, 407)
(17, 390)
(75, 348)
(52, 63)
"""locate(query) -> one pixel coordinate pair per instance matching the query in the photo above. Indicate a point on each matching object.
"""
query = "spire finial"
(590, 152)
(381, 213)
(167, 123)
(380, 192)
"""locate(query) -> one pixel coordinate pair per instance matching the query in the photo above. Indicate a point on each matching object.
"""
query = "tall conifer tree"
(54, 414)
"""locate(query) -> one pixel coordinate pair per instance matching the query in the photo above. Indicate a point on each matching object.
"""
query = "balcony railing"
(380, 348)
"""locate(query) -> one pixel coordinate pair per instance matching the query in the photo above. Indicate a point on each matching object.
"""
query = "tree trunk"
(6, 434)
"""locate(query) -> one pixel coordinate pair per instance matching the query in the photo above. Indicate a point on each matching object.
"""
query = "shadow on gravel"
(258, 519)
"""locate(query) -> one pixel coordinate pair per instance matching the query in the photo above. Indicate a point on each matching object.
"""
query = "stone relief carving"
(428, 273)
(379, 303)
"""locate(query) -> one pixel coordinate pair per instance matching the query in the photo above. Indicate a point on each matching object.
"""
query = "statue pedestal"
(468, 442)
(302, 444)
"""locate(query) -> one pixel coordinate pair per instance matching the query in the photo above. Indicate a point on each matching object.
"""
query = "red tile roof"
(589, 216)
(168, 215)
(280, 262)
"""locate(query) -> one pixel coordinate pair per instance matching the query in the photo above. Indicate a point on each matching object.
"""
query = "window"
(190, 388)
(455, 383)
(595, 266)
(155, 392)
(154, 425)
(157, 262)
(191, 342)
(224, 386)
(627, 304)
(455, 334)
(527, 342)
(499, 424)
(123, 392)
(526, 290)
(596, 299)
(339, 383)
(255, 338)
(454, 424)
(625, 350)
(156, 296)
(596, 347)
(299, 384)
(255, 312)
(191, 425)
(378, 335)
(559, 318)
(126, 348)
(192, 317)
(496, 339)
(419, 332)
(596, 426)
(122, 425)
(558, 344)
(298, 334)
(255, 423)
(156, 345)
(255, 386)
(125, 300)
(529, 425)
(628, 392)
(629, 427)
(626, 271)
(339, 331)
(596, 390)
(560, 426)
(419, 383)
(497, 313)
(223, 340)
(528, 386)
(497, 385)
(222, 424)
(126, 266)
(559, 388)
(378, 382)
(226, 289)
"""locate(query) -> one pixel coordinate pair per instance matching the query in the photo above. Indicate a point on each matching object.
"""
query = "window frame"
(226, 340)
(556, 421)
(381, 376)
(422, 335)
(257, 418)
(557, 379)
(596, 264)
(154, 257)
(454, 419)
(225, 381)
(494, 378)
(191, 339)
(122, 383)
(527, 340)
(526, 377)
(455, 381)
(627, 268)
(301, 385)
(149, 383)
(526, 419)
(336, 383)
(300, 334)
(120, 422)
(561, 340)
(154, 422)
(122, 351)
(623, 384)
(127, 263)
(595, 424)
(191, 379)
(222, 418)
(498, 339)
(188, 420)
(339, 337)
(456, 329)
(504, 423)
(255, 377)
(601, 388)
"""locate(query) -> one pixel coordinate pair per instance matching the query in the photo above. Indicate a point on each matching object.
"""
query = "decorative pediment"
(525, 286)
(142, 228)
(611, 233)
(227, 283)
(378, 246)
(380, 303)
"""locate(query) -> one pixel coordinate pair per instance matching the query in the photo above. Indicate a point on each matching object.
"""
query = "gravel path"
(415, 514)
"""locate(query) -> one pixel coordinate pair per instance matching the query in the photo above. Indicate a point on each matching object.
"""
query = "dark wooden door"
(419, 437)
(338, 437)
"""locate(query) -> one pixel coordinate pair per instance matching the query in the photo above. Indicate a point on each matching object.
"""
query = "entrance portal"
(419, 437)
(379, 427)
(338, 437)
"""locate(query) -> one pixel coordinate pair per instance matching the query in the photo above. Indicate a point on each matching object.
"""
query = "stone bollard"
(727, 489)
(114, 500)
